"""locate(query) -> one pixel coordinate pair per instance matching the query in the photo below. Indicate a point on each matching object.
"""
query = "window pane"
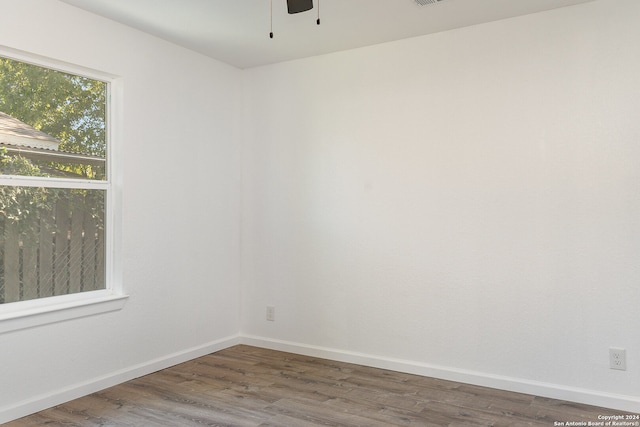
(51, 242)
(51, 123)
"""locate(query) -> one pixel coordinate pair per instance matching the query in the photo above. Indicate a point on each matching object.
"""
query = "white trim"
(75, 391)
(54, 64)
(518, 385)
(35, 181)
(554, 391)
(113, 205)
(44, 311)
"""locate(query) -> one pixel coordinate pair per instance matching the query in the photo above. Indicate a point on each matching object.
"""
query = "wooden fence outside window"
(60, 253)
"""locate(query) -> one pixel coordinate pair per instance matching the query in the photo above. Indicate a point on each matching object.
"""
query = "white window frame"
(41, 311)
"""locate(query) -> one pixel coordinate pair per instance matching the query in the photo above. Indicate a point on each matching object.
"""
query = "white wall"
(180, 211)
(465, 204)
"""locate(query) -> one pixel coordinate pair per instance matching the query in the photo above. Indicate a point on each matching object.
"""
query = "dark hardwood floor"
(249, 386)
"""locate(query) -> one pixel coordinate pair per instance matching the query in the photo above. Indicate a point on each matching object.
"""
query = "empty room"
(327, 212)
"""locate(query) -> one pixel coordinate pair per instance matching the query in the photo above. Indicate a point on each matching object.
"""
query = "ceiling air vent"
(426, 2)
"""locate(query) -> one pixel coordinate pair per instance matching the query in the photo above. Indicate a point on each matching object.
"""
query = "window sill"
(29, 314)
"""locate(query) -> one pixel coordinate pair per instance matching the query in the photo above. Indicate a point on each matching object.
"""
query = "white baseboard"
(39, 403)
(553, 391)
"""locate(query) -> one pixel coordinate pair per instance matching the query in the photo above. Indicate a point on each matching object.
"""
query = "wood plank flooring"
(249, 386)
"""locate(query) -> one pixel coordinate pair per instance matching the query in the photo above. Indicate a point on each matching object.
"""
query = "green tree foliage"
(68, 107)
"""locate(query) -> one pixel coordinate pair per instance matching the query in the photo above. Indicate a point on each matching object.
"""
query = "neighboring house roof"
(15, 132)
(23, 140)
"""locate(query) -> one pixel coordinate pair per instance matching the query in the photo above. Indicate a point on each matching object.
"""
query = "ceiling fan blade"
(297, 6)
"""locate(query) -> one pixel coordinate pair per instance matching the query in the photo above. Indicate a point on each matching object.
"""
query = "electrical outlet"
(618, 359)
(271, 313)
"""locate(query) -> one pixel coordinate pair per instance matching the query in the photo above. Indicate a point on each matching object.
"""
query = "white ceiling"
(237, 31)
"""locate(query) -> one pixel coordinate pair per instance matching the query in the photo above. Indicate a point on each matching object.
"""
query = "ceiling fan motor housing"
(297, 6)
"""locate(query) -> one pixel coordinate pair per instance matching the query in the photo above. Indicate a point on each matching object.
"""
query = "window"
(55, 185)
